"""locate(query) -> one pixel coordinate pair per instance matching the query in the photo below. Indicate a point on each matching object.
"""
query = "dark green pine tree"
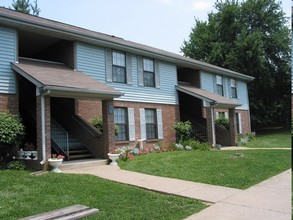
(251, 37)
(26, 7)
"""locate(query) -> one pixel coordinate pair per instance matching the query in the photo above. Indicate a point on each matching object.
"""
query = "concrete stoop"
(81, 164)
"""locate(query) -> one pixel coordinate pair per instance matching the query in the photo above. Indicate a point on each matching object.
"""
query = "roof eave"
(75, 92)
(117, 43)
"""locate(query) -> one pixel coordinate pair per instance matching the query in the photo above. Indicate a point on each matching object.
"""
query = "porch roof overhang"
(213, 99)
(55, 79)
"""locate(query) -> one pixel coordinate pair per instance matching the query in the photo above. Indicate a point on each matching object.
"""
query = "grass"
(214, 167)
(24, 195)
(271, 138)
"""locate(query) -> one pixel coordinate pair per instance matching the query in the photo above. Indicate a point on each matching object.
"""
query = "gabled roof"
(53, 28)
(218, 100)
(55, 79)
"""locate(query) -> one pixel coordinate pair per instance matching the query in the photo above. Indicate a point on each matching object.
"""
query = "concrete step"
(80, 156)
(68, 165)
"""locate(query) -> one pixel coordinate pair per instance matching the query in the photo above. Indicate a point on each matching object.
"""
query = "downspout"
(43, 129)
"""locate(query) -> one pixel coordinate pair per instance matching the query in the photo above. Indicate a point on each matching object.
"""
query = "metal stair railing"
(60, 136)
(200, 131)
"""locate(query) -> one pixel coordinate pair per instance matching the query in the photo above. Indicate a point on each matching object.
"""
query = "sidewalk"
(270, 199)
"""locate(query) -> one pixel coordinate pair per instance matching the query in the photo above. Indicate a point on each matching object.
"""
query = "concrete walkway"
(270, 199)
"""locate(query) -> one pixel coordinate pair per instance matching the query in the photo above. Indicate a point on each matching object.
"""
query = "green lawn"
(271, 138)
(214, 167)
(24, 195)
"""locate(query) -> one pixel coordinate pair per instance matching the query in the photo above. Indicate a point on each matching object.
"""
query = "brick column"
(209, 125)
(233, 131)
(108, 127)
(47, 129)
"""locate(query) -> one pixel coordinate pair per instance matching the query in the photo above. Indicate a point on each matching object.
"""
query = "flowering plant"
(55, 156)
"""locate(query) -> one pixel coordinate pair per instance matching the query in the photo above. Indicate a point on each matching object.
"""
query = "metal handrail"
(60, 136)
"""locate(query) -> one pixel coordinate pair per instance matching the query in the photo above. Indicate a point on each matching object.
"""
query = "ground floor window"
(151, 124)
(120, 119)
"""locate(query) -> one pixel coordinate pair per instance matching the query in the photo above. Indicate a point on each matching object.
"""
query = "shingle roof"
(205, 95)
(38, 24)
(60, 80)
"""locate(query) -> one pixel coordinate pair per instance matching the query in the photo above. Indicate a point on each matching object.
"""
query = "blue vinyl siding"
(91, 60)
(242, 95)
(7, 55)
(208, 82)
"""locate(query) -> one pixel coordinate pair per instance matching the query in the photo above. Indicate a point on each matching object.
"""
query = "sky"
(163, 24)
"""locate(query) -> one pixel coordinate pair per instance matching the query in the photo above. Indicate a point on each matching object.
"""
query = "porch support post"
(211, 134)
(43, 129)
(108, 127)
(233, 129)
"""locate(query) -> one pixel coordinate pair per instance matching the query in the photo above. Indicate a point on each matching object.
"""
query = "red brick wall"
(9, 102)
(170, 114)
(91, 108)
(88, 108)
(244, 119)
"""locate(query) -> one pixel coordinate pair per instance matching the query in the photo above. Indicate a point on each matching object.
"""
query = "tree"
(26, 7)
(250, 37)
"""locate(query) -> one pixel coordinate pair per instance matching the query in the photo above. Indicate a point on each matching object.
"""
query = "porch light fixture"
(110, 109)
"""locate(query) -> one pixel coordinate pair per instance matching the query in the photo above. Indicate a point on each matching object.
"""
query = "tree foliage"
(250, 37)
(26, 7)
(11, 128)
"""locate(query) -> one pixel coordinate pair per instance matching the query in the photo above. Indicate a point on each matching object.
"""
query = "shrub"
(223, 122)
(204, 147)
(15, 165)
(11, 128)
(182, 130)
(98, 123)
(192, 143)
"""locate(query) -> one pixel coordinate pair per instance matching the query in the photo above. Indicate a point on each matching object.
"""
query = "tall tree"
(26, 7)
(250, 37)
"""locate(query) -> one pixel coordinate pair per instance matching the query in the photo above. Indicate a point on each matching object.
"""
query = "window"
(220, 90)
(120, 119)
(148, 73)
(233, 88)
(119, 70)
(151, 123)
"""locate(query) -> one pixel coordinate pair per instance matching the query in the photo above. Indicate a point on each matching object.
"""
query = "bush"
(223, 122)
(192, 143)
(204, 147)
(11, 128)
(182, 130)
(15, 165)
(98, 123)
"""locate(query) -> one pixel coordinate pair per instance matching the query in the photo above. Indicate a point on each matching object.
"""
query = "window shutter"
(140, 70)
(128, 69)
(131, 124)
(160, 124)
(157, 74)
(108, 54)
(240, 123)
(217, 115)
(142, 124)
(226, 115)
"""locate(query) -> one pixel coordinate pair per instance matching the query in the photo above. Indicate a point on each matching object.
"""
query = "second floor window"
(233, 88)
(151, 123)
(119, 64)
(148, 73)
(220, 89)
(120, 119)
